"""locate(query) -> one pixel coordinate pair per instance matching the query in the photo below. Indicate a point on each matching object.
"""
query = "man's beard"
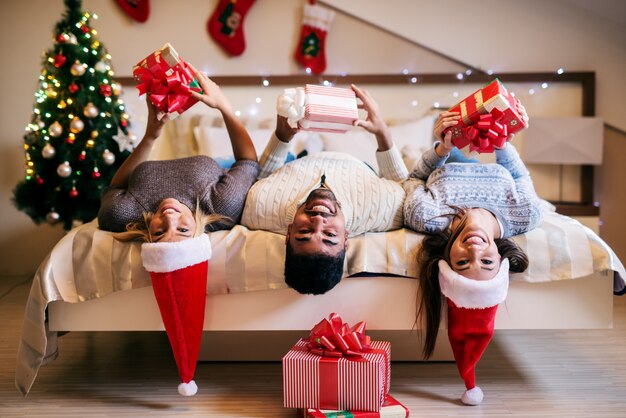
(322, 193)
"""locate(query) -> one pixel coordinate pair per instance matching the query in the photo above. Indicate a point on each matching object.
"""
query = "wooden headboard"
(584, 81)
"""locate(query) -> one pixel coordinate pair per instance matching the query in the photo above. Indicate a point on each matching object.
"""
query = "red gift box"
(488, 117)
(391, 409)
(168, 79)
(315, 381)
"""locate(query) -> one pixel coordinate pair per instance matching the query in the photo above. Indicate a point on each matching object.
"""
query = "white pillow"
(215, 142)
(358, 143)
(413, 138)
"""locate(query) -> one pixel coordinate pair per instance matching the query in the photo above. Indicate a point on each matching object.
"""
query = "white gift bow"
(290, 104)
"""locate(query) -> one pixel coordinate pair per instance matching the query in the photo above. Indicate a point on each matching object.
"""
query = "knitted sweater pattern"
(504, 189)
(369, 203)
(188, 180)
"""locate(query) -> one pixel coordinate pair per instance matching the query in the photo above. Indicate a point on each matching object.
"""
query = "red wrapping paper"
(168, 79)
(391, 409)
(482, 134)
(348, 382)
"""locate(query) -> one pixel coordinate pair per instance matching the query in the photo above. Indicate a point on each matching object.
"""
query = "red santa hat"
(472, 306)
(179, 274)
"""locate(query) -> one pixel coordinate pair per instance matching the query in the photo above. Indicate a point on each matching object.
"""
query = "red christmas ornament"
(105, 90)
(73, 88)
(95, 175)
(70, 140)
(59, 60)
(82, 156)
(62, 37)
(73, 193)
(84, 29)
(124, 123)
(39, 181)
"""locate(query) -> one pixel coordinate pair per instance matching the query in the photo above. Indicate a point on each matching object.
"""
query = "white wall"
(272, 28)
(510, 36)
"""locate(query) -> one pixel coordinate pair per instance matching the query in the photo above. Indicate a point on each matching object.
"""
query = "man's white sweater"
(369, 203)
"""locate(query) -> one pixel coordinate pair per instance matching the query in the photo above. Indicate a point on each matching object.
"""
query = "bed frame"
(282, 316)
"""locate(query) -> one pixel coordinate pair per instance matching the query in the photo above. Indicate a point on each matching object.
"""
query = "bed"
(90, 282)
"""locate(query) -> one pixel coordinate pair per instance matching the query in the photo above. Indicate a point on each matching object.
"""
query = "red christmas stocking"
(310, 51)
(226, 25)
(137, 9)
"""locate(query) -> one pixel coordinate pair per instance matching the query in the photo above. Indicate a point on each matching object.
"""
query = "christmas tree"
(78, 134)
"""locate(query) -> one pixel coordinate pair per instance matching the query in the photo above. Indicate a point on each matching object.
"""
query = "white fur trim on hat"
(162, 257)
(474, 396)
(474, 294)
(188, 389)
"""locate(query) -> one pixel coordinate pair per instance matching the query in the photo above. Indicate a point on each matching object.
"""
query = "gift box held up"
(319, 108)
(391, 409)
(337, 367)
(168, 79)
(488, 117)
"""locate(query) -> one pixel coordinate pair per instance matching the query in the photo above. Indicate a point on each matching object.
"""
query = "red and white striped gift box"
(350, 383)
(328, 109)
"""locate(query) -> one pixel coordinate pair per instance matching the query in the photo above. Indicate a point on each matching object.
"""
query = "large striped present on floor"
(346, 383)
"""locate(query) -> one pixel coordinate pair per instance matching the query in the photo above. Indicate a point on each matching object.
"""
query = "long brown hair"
(430, 300)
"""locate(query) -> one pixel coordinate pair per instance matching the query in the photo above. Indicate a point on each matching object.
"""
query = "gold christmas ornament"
(90, 111)
(48, 151)
(55, 129)
(76, 125)
(116, 88)
(94, 134)
(77, 69)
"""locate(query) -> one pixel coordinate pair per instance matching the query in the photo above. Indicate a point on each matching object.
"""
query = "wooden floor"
(106, 374)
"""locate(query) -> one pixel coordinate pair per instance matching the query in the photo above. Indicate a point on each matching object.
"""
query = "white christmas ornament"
(55, 129)
(125, 142)
(108, 157)
(48, 151)
(101, 66)
(64, 169)
(53, 217)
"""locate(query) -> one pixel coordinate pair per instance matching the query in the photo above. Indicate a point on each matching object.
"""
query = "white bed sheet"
(88, 264)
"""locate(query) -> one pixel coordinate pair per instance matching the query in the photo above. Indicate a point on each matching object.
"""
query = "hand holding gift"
(168, 79)
(319, 108)
(488, 118)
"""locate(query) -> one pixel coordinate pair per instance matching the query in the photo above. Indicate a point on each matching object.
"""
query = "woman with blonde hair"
(168, 205)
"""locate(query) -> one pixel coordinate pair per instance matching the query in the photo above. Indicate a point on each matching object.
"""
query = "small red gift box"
(391, 409)
(337, 367)
(319, 108)
(488, 117)
(168, 79)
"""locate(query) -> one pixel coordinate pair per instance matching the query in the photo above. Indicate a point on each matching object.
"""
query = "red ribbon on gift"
(333, 338)
(485, 135)
(169, 87)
